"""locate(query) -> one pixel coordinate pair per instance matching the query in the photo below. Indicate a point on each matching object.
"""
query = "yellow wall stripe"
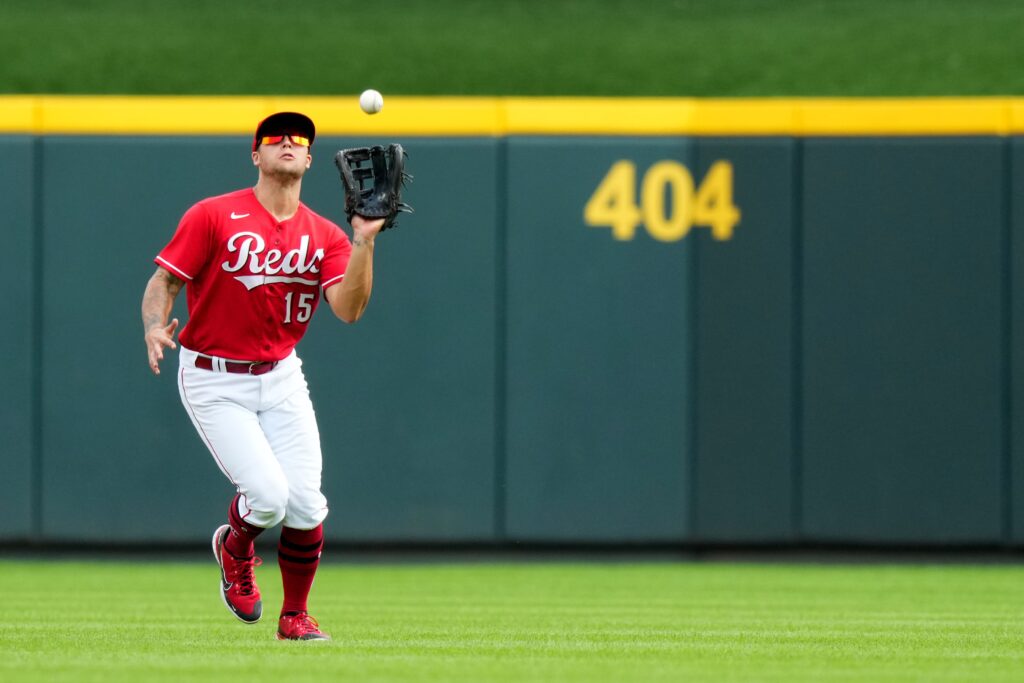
(497, 116)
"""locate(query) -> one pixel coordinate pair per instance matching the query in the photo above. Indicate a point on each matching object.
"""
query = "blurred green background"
(525, 47)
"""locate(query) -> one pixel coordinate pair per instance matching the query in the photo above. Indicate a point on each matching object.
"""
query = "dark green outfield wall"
(845, 368)
(903, 339)
(18, 312)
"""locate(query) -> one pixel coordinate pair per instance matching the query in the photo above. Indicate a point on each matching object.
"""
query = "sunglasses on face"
(300, 140)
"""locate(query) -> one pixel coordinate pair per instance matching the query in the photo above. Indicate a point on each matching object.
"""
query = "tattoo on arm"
(173, 283)
(151, 320)
(159, 297)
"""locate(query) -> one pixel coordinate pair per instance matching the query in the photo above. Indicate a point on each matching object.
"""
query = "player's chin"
(289, 171)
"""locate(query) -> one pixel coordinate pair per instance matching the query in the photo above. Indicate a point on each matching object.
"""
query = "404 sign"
(670, 202)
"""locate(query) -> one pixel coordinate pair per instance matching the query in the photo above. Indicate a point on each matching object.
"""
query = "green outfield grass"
(112, 621)
(526, 47)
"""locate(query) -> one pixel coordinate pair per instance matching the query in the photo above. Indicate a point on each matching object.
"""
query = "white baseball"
(371, 101)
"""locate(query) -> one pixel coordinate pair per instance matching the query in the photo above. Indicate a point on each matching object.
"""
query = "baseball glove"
(373, 178)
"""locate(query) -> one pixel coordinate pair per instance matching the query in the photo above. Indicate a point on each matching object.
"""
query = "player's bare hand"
(159, 338)
(365, 228)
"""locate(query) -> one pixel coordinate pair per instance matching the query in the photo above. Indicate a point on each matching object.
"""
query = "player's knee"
(307, 512)
(270, 505)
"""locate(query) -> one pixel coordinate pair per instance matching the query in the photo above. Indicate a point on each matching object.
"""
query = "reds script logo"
(295, 262)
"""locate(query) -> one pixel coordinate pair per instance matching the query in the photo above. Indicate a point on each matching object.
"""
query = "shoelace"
(304, 623)
(243, 575)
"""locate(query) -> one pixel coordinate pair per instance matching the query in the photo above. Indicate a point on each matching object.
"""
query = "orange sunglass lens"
(274, 139)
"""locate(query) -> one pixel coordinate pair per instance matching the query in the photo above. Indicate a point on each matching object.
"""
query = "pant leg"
(290, 426)
(222, 408)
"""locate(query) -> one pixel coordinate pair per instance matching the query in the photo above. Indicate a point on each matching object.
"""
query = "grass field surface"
(515, 47)
(116, 621)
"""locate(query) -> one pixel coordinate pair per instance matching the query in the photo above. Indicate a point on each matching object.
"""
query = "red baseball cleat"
(299, 626)
(237, 583)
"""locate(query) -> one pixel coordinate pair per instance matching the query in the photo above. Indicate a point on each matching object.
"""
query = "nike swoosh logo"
(236, 216)
(224, 583)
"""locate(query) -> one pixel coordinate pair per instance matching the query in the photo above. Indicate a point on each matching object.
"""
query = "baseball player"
(255, 264)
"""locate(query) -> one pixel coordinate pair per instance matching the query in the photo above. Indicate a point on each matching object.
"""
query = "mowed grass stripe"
(81, 621)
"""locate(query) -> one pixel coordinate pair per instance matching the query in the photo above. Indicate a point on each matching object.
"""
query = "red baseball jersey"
(252, 282)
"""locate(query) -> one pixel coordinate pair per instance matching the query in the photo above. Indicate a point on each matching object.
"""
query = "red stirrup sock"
(298, 555)
(239, 541)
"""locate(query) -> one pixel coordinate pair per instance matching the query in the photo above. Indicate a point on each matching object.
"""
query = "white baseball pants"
(262, 432)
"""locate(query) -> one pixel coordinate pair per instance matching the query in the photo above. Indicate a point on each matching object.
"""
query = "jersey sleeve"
(187, 252)
(335, 260)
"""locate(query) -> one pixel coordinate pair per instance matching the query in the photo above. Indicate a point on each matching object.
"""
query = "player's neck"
(280, 199)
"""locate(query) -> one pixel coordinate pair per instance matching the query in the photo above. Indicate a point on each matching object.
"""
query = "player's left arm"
(349, 297)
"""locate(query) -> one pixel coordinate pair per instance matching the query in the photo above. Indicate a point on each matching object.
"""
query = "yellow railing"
(497, 116)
